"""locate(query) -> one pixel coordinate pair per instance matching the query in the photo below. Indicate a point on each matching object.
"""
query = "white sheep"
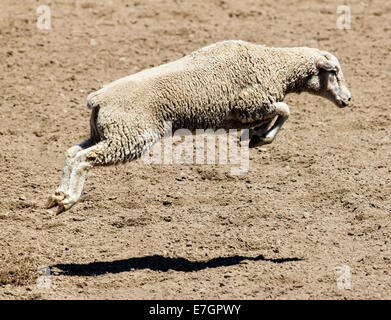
(230, 84)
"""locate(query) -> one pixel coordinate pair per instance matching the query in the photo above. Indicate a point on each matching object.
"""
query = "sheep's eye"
(333, 72)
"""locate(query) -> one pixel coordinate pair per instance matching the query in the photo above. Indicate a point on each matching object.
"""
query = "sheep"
(229, 84)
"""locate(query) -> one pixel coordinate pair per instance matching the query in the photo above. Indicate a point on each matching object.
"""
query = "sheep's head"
(328, 80)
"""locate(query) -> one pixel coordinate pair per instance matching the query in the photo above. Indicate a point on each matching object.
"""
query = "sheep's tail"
(91, 104)
(94, 132)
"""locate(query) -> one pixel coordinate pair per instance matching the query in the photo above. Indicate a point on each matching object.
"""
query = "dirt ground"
(318, 198)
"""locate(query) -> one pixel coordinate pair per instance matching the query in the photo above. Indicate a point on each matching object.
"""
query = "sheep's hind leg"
(260, 136)
(70, 155)
(105, 152)
(83, 161)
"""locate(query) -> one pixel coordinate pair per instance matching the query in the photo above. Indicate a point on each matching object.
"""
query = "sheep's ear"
(325, 64)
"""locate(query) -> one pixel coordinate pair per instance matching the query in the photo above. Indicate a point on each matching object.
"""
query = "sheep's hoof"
(54, 199)
(65, 205)
(60, 209)
(257, 141)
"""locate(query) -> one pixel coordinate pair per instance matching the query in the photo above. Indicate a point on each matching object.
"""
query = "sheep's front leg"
(70, 155)
(260, 135)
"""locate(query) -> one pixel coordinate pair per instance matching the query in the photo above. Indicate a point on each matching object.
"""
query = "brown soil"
(315, 199)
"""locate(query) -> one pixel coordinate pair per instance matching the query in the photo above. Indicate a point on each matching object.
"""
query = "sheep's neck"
(296, 72)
